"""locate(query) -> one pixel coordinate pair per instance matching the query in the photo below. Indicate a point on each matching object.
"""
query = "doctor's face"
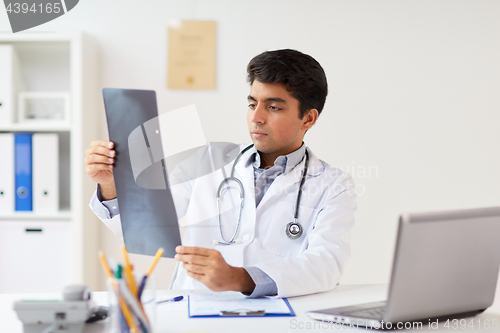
(273, 119)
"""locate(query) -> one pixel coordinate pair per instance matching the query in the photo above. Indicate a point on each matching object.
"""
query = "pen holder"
(125, 312)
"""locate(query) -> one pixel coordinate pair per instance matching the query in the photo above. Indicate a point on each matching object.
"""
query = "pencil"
(105, 265)
(159, 253)
(129, 278)
(132, 285)
(121, 301)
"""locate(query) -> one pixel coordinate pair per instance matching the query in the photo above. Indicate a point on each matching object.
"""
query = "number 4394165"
(34, 8)
(472, 323)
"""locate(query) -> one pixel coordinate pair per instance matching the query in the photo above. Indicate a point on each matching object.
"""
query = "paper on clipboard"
(214, 304)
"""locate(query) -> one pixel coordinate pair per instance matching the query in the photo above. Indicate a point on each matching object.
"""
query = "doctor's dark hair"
(302, 75)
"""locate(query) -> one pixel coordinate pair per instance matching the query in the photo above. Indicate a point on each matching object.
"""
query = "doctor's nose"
(258, 115)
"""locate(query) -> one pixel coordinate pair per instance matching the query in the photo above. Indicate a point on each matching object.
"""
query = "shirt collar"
(287, 162)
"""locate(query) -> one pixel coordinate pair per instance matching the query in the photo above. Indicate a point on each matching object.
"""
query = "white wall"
(414, 93)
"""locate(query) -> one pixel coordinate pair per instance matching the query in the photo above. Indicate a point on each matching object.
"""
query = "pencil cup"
(114, 311)
(125, 312)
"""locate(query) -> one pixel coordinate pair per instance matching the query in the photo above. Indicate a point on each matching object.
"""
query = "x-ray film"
(159, 159)
(148, 215)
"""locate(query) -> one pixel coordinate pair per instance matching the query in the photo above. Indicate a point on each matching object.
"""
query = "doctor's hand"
(99, 166)
(209, 267)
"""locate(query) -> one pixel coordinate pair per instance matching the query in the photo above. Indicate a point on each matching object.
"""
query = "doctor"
(288, 92)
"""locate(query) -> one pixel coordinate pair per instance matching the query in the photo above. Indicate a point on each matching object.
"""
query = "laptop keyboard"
(372, 313)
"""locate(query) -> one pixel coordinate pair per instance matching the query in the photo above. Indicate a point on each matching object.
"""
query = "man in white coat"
(288, 92)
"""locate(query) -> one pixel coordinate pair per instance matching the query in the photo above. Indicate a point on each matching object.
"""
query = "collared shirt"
(263, 178)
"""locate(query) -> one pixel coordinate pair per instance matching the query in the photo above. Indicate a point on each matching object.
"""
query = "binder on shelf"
(45, 172)
(23, 172)
(10, 84)
(7, 173)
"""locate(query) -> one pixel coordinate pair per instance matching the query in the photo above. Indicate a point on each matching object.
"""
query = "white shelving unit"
(43, 252)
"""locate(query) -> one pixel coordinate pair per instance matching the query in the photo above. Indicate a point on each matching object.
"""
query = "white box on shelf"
(7, 173)
(45, 172)
(47, 107)
(36, 256)
(10, 83)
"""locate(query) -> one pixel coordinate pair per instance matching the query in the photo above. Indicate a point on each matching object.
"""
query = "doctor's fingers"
(98, 159)
(100, 150)
(95, 158)
(102, 143)
(198, 269)
(196, 250)
(210, 277)
(193, 259)
(91, 169)
(213, 282)
(196, 276)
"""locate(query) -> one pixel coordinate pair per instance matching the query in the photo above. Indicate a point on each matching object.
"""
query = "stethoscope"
(293, 229)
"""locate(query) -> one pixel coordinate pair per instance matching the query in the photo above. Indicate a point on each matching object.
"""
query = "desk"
(172, 317)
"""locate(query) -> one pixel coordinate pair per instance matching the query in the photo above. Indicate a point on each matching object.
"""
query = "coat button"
(246, 237)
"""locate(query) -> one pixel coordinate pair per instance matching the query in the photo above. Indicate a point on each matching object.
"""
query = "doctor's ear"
(309, 119)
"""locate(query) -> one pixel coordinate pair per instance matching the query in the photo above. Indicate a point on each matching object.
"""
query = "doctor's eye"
(251, 106)
(274, 108)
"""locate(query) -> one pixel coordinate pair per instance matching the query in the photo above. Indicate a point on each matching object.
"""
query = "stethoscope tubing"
(220, 191)
(226, 181)
(299, 193)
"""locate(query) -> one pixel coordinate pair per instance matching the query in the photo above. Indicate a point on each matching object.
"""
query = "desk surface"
(173, 317)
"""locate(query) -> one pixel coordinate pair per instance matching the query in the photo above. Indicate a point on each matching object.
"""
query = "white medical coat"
(310, 264)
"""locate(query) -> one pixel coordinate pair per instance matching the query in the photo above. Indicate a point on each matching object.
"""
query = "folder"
(45, 172)
(234, 304)
(23, 167)
(7, 173)
(10, 84)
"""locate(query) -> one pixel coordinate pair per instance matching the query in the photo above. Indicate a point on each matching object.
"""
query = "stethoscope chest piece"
(293, 230)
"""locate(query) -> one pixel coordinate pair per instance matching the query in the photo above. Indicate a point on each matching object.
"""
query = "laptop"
(445, 266)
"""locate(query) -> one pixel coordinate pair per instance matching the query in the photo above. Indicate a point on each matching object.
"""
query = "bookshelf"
(56, 248)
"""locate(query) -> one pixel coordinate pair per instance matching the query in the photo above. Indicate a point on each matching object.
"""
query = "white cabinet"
(35, 256)
(65, 250)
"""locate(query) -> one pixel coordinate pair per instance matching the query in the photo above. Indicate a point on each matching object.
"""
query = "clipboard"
(234, 304)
